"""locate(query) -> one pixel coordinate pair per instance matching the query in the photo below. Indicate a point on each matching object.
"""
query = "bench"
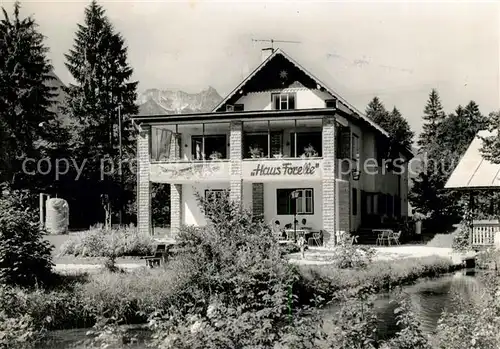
(159, 256)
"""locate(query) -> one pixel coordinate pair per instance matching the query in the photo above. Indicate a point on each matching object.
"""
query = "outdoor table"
(299, 232)
(383, 234)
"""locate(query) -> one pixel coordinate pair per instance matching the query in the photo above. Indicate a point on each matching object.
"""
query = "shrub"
(461, 239)
(327, 282)
(100, 242)
(17, 332)
(348, 255)
(476, 322)
(410, 335)
(238, 289)
(25, 256)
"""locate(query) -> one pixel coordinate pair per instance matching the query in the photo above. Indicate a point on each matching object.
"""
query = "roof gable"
(473, 170)
(269, 72)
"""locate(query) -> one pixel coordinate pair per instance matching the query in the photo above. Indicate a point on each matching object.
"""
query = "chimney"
(266, 52)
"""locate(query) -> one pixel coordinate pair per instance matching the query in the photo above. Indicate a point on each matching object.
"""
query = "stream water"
(429, 298)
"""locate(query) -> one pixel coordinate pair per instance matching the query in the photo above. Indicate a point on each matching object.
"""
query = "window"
(215, 147)
(331, 103)
(256, 145)
(309, 144)
(283, 101)
(354, 201)
(160, 143)
(304, 202)
(355, 147)
(239, 107)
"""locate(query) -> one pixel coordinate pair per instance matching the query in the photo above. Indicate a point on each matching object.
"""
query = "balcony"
(186, 172)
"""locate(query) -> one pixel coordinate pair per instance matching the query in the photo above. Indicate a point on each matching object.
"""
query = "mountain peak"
(173, 101)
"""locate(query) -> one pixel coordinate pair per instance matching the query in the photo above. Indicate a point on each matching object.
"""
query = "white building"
(281, 129)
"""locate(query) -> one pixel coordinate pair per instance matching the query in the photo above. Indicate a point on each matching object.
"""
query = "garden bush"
(238, 290)
(25, 256)
(100, 242)
(475, 323)
(327, 282)
(347, 255)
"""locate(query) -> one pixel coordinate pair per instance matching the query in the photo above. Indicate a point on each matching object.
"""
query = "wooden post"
(42, 215)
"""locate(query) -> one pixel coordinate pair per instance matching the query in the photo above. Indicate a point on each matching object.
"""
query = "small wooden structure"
(473, 174)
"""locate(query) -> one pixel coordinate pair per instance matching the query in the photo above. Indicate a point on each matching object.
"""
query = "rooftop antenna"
(272, 41)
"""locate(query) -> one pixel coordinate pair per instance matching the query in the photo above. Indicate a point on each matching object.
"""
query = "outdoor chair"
(395, 237)
(277, 231)
(382, 237)
(316, 239)
(159, 256)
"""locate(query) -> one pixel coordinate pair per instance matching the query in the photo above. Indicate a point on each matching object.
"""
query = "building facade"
(280, 130)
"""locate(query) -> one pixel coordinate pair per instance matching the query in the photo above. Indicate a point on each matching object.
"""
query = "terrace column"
(328, 181)
(143, 182)
(258, 200)
(235, 151)
(175, 146)
(175, 209)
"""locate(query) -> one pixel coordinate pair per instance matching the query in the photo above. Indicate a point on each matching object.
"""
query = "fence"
(484, 231)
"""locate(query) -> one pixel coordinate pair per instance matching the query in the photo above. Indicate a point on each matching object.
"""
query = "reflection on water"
(430, 298)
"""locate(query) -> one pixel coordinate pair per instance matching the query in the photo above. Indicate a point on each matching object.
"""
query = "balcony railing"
(188, 171)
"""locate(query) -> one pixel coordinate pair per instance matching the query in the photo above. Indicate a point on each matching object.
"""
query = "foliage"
(433, 116)
(461, 239)
(393, 122)
(25, 256)
(238, 289)
(100, 242)
(491, 145)
(160, 204)
(355, 326)
(98, 64)
(475, 323)
(410, 335)
(457, 130)
(17, 332)
(327, 282)
(347, 255)
(29, 129)
(107, 334)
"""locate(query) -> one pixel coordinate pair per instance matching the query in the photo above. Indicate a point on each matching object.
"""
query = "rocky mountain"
(155, 101)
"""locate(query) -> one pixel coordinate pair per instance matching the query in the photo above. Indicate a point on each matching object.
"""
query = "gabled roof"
(344, 104)
(473, 171)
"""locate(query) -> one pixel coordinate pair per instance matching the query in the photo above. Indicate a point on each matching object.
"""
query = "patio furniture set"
(289, 233)
(387, 235)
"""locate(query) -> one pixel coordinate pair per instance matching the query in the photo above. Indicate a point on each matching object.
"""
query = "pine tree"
(394, 123)
(433, 116)
(491, 144)
(399, 129)
(98, 63)
(25, 97)
(376, 111)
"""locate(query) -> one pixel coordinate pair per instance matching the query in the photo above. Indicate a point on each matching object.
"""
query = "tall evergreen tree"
(399, 128)
(376, 111)
(98, 63)
(491, 144)
(394, 123)
(25, 97)
(433, 116)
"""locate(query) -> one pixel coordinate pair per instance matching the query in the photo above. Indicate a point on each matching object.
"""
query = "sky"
(398, 51)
